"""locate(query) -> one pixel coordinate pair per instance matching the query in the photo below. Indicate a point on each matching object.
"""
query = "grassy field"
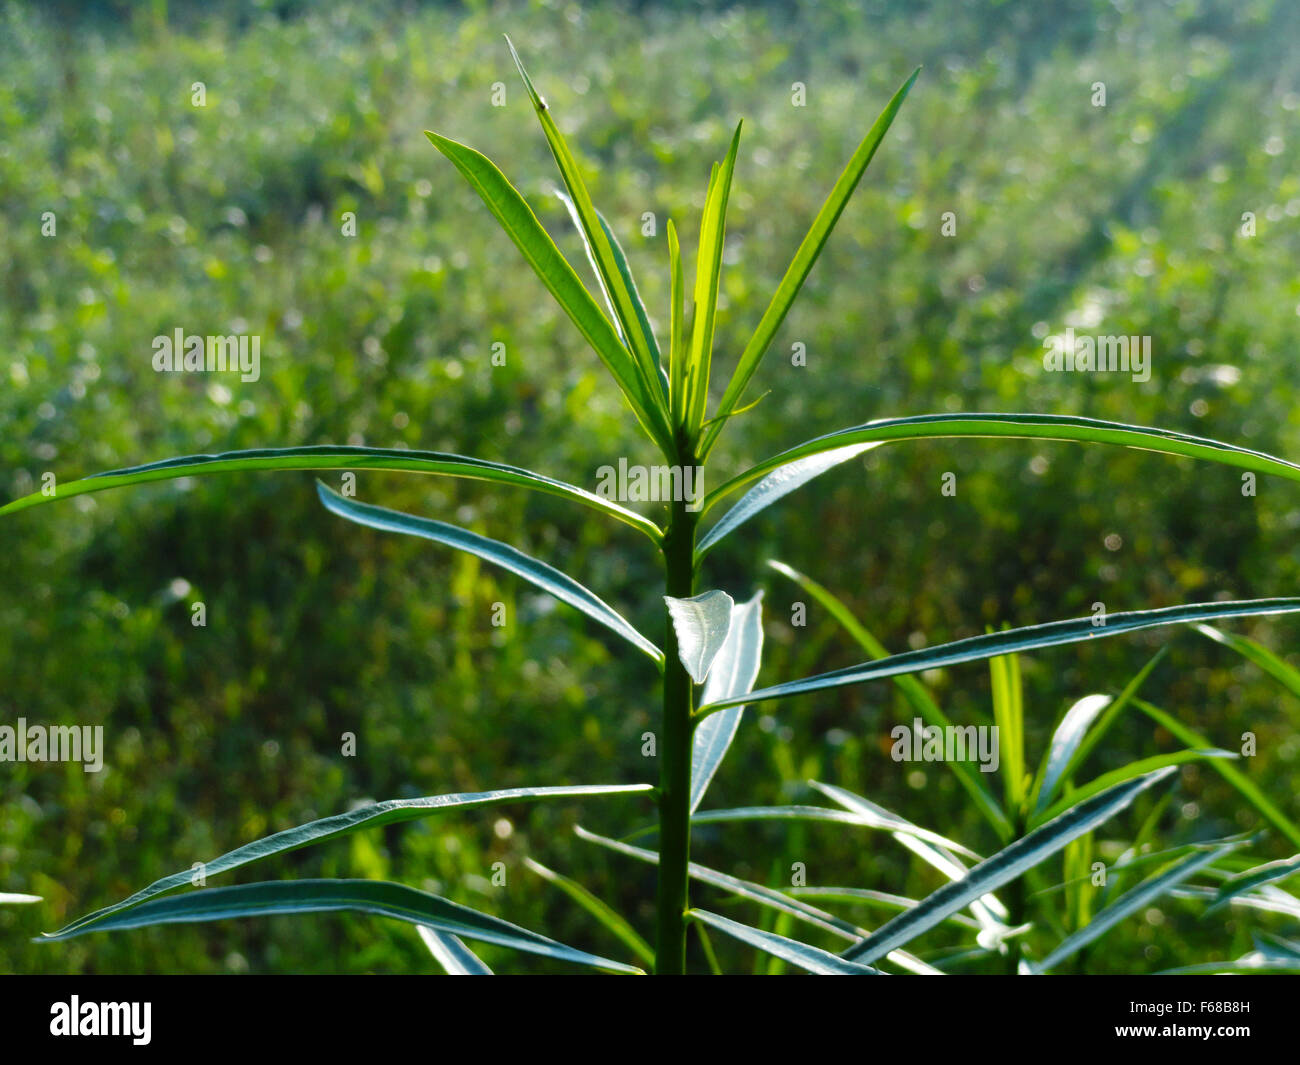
(1123, 219)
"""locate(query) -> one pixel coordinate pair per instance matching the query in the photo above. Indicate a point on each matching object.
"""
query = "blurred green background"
(1123, 219)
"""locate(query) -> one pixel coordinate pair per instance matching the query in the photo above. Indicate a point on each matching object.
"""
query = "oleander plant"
(1038, 904)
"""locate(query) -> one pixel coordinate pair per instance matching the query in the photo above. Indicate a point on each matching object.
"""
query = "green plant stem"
(675, 754)
(1017, 903)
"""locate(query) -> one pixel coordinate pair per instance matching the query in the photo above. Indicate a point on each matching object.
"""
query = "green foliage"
(550, 703)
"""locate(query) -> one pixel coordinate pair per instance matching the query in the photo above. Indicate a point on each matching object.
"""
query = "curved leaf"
(1022, 427)
(1286, 675)
(810, 959)
(701, 623)
(380, 897)
(1029, 638)
(780, 482)
(1065, 742)
(373, 815)
(332, 457)
(448, 951)
(1028, 851)
(1126, 772)
(803, 261)
(511, 210)
(548, 578)
(733, 673)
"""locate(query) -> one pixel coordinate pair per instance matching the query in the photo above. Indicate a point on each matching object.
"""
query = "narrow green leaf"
(625, 272)
(634, 328)
(701, 623)
(1253, 878)
(379, 897)
(676, 328)
(511, 210)
(1098, 731)
(804, 259)
(448, 951)
(599, 909)
(332, 457)
(1004, 672)
(876, 816)
(1225, 769)
(1139, 768)
(1129, 903)
(868, 897)
(935, 850)
(708, 271)
(780, 482)
(1061, 427)
(763, 896)
(549, 579)
(1065, 742)
(916, 693)
(810, 959)
(1028, 851)
(389, 812)
(1287, 676)
(733, 672)
(1029, 638)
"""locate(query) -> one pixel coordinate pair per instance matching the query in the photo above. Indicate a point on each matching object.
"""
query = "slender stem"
(675, 755)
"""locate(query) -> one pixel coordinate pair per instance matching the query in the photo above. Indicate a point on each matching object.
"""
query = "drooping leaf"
(373, 815)
(810, 959)
(448, 951)
(876, 816)
(602, 911)
(1062, 427)
(780, 482)
(916, 693)
(379, 897)
(548, 578)
(701, 623)
(1025, 853)
(511, 210)
(1129, 903)
(1029, 638)
(733, 672)
(332, 457)
(803, 261)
